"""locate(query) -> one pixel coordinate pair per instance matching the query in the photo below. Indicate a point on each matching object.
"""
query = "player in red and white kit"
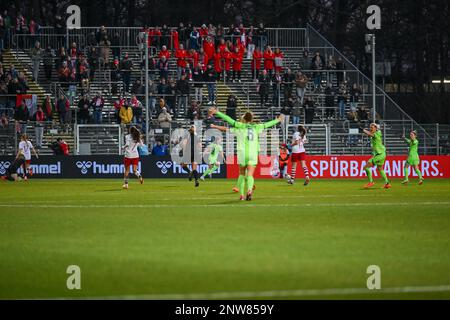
(299, 155)
(25, 147)
(131, 155)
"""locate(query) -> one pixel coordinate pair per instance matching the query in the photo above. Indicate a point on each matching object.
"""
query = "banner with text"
(348, 167)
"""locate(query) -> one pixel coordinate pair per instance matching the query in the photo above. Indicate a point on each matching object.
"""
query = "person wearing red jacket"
(203, 59)
(269, 58)
(222, 45)
(256, 63)
(278, 60)
(164, 53)
(237, 64)
(175, 39)
(209, 48)
(218, 65)
(227, 56)
(204, 31)
(192, 57)
(181, 56)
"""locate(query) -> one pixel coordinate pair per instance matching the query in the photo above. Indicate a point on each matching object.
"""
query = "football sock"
(195, 174)
(293, 170)
(405, 171)
(137, 174)
(306, 172)
(383, 175)
(241, 184)
(185, 168)
(369, 174)
(419, 174)
(125, 181)
(250, 182)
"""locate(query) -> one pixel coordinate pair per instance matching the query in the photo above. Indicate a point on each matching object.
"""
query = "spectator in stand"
(48, 107)
(48, 60)
(309, 107)
(301, 80)
(251, 33)
(61, 58)
(198, 77)
(296, 112)
(137, 87)
(93, 59)
(137, 110)
(317, 65)
(263, 88)
(261, 37)
(227, 57)
(115, 75)
(60, 30)
(85, 69)
(64, 72)
(182, 90)
(276, 87)
(331, 67)
(118, 104)
(194, 39)
(181, 55)
(193, 57)
(204, 31)
(329, 102)
(171, 99)
(218, 63)
(164, 119)
(97, 106)
(182, 34)
(194, 112)
(286, 109)
(355, 92)
(340, 67)
(21, 117)
(105, 45)
(342, 100)
(63, 108)
(160, 149)
(39, 117)
(152, 92)
(64, 146)
(175, 39)
(209, 48)
(83, 110)
(2, 34)
(36, 57)
(126, 114)
(163, 88)
(125, 68)
(278, 60)
(20, 28)
(237, 56)
(256, 63)
(304, 62)
(269, 58)
(115, 45)
(22, 83)
(232, 104)
(209, 119)
(156, 37)
(164, 53)
(288, 83)
(210, 79)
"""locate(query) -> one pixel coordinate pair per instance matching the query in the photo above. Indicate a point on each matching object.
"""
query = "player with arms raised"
(247, 134)
(413, 157)
(378, 156)
(131, 155)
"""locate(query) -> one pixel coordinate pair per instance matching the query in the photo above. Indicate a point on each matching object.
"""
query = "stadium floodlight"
(370, 48)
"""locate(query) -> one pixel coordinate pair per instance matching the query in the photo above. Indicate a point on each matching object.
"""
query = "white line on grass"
(227, 205)
(276, 293)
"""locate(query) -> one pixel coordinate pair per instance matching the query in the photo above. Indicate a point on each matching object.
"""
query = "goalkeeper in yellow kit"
(247, 135)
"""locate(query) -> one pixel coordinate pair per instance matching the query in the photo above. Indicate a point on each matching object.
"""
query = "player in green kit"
(215, 150)
(413, 157)
(247, 135)
(378, 156)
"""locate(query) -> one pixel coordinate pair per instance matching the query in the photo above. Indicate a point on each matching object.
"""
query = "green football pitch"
(165, 239)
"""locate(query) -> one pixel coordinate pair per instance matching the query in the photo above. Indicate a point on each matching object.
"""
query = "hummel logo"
(164, 166)
(84, 166)
(3, 166)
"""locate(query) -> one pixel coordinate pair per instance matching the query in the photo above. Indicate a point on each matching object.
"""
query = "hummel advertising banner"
(104, 167)
(348, 167)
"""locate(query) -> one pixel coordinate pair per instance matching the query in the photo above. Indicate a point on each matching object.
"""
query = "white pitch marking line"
(356, 204)
(275, 293)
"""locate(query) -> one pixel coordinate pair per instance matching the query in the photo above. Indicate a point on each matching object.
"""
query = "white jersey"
(25, 147)
(131, 147)
(299, 147)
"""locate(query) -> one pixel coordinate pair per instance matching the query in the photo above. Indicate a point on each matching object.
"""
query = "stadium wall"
(103, 167)
(346, 167)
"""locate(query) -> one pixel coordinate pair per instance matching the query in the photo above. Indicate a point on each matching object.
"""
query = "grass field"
(165, 239)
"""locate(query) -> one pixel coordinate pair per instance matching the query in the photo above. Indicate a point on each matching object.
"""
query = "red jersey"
(256, 61)
(227, 56)
(218, 62)
(175, 40)
(181, 55)
(164, 53)
(237, 61)
(268, 60)
(209, 49)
